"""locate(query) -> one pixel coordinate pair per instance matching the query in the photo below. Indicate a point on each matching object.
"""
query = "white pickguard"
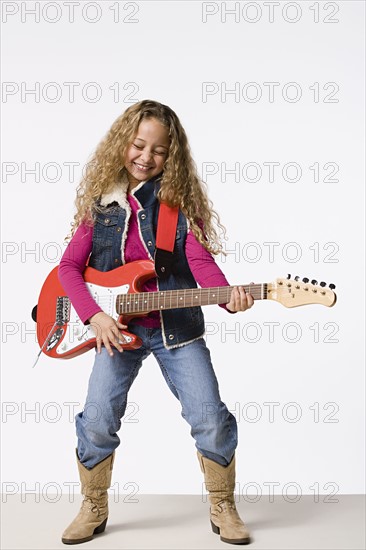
(76, 332)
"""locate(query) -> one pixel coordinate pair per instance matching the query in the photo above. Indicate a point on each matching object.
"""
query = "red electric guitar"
(61, 334)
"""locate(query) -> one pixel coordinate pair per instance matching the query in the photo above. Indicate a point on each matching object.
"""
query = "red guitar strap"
(165, 239)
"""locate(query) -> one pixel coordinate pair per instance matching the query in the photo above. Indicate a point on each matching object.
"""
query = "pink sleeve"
(72, 265)
(203, 266)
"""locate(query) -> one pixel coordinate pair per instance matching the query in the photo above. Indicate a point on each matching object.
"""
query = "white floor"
(181, 522)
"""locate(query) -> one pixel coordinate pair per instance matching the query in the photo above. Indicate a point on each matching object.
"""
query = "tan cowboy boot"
(220, 482)
(92, 517)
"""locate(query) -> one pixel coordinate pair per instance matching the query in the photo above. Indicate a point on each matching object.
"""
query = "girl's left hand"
(240, 300)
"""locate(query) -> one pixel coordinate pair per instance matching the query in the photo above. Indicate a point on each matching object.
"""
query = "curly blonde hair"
(180, 184)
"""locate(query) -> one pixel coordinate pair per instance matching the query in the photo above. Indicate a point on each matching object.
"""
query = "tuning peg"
(323, 283)
(314, 282)
(332, 286)
(297, 278)
(305, 280)
(289, 276)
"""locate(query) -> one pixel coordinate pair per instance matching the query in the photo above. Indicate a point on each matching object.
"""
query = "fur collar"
(119, 193)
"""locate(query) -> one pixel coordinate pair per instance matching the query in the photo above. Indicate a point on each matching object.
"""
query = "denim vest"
(179, 325)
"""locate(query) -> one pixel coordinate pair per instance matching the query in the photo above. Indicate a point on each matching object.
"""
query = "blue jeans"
(190, 376)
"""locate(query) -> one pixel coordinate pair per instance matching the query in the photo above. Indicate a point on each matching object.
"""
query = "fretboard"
(142, 302)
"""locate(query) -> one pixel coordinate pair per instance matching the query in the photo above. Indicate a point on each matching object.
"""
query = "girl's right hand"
(106, 330)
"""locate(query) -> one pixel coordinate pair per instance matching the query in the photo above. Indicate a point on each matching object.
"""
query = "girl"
(145, 159)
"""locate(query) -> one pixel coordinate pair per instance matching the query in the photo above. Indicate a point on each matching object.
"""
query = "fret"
(213, 294)
(144, 301)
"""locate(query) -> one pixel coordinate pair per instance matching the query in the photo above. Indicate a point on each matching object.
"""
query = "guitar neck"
(144, 302)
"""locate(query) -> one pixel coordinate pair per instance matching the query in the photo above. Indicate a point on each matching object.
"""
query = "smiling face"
(147, 152)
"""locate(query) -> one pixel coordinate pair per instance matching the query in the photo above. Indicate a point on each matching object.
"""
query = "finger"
(250, 300)
(116, 337)
(241, 299)
(119, 336)
(247, 301)
(119, 322)
(231, 303)
(122, 338)
(99, 345)
(98, 336)
(107, 345)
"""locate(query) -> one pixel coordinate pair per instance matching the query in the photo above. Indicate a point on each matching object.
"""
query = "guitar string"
(173, 295)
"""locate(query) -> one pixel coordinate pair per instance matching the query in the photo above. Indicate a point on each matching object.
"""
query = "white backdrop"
(265, 83)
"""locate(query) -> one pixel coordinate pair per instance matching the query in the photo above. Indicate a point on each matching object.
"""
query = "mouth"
(141, 167)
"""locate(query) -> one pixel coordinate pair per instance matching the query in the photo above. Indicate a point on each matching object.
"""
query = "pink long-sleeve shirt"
(202, 265)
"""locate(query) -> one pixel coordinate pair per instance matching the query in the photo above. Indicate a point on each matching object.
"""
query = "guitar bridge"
(63, 306)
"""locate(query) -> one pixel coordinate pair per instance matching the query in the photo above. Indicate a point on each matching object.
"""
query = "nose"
(146, 156)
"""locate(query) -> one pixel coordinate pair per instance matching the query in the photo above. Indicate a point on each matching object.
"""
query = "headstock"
(292, 292)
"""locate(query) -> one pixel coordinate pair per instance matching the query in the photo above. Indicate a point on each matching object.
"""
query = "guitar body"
(69, 337)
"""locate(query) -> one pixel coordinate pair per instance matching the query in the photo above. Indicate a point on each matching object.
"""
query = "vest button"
(143, 216)
(116, 260)
(149, 243)
(171, 336)
(119, 229)
(106, 221)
